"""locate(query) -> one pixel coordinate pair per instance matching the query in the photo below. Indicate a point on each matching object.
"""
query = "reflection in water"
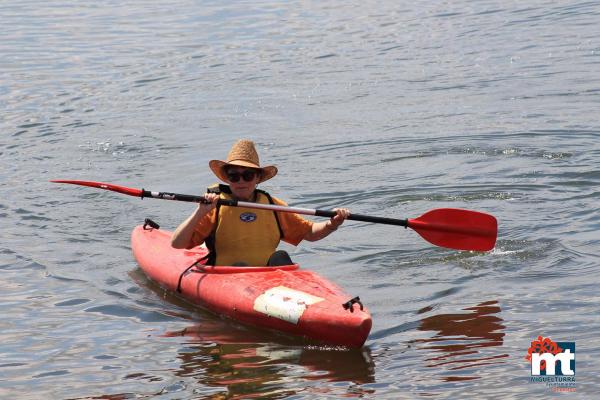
(256, 363)
(218, 354)
(461, 339)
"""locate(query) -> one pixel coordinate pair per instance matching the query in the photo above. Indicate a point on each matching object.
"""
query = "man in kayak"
(241, 236)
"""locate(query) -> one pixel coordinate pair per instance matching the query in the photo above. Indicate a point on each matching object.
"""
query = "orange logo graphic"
(541, 346)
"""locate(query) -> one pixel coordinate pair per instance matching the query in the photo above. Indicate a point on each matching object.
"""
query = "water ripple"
(390, 112)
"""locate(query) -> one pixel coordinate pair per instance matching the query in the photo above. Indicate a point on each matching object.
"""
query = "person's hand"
(341, 214)
(211, 203)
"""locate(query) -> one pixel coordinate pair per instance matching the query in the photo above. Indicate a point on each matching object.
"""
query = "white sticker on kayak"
(284, 303)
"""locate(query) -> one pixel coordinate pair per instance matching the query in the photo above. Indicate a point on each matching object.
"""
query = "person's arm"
(183, 234)
(321, 230)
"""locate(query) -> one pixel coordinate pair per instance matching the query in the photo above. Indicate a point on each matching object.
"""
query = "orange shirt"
(294, 227)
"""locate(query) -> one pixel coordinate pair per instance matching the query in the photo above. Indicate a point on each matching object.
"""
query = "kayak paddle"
(453, 228)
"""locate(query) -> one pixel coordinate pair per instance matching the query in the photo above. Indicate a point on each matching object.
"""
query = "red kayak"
(284, 298)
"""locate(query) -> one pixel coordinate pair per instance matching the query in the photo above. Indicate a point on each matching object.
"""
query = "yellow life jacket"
(243, 235)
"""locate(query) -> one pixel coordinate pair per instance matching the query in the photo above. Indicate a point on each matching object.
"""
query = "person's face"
(242, 181)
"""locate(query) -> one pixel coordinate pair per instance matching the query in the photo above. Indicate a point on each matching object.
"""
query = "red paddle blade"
(458, 229)
(106, 186)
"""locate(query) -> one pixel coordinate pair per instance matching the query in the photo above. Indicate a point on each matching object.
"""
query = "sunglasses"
(248, 175)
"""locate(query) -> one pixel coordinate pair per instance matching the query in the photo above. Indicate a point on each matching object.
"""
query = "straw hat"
(242, 154)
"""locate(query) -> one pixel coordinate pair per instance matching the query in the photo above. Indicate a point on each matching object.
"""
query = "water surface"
(387, 108)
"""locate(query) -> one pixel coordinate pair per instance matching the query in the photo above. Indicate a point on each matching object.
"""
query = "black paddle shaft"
(234, 203)
(366, 218)
(184, 197)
